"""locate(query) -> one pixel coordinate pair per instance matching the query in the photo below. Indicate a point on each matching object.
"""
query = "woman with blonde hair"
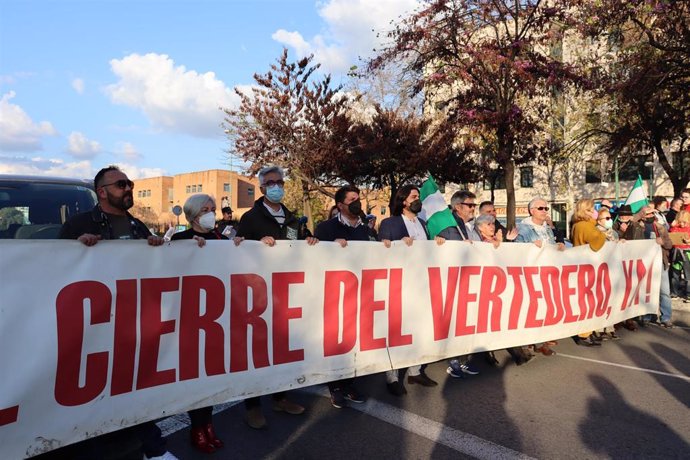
(585, 232)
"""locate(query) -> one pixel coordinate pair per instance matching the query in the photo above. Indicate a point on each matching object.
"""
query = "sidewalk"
(679, 305)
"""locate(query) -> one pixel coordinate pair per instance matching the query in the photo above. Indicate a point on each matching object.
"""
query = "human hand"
(268, 241)
(89, 239)
(341, 242)
(200, 240)
(155, 240)
(311, 241)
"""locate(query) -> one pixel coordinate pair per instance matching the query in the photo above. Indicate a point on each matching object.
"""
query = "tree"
(391, 149)
(286, 120)
(644, 77)
(146, 215)
(488, 68)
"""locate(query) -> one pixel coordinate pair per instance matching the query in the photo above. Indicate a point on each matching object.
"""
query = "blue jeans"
(665, 306)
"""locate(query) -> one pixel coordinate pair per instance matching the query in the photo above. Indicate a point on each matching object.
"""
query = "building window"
(188, 189)
(194, 188)
(526, 177)
(634, 166)
(226, 187)
(593, 172)
(148, 193)
(199, 188)
(383, 210)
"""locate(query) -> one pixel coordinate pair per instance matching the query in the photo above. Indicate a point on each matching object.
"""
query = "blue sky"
(84, 84)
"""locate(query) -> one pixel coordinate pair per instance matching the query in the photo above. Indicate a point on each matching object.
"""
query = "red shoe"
(199, 441)
(211, 436)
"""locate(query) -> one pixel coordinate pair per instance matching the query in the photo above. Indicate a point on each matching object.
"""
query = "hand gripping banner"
(94, 339)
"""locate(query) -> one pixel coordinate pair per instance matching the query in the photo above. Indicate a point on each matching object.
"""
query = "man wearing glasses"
(463, 204)
(270, 221)
(110, 220)
(538, 228)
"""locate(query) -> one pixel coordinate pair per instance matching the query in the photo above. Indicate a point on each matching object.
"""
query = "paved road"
(627, 399)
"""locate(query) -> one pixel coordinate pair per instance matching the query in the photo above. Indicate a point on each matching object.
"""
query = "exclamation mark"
(649, 283)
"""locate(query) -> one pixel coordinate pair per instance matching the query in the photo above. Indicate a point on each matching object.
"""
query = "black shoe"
(351, 394)
(491, 359)
(338, 398)
(421, 379)
(524, 360)
(396, 388)
(588, 342)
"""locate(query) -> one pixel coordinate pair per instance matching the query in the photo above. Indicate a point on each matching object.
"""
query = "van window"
(36, 210)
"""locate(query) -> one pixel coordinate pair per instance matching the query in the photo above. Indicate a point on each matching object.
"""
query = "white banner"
(96, 339)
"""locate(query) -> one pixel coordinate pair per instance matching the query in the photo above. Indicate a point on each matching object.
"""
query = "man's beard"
(123, 203)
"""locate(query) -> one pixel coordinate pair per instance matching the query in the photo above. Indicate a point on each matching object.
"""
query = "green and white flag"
(637, 198)
(438, 216)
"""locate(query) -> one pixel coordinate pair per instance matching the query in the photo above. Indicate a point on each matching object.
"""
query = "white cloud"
(39, 166)
(79, 146)
(78, 85)
(18, 132)
(136, 172)
(172, 98)
(350, 32)
(127, 151)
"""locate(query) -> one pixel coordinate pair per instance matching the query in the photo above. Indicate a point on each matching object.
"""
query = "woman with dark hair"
(200, 211)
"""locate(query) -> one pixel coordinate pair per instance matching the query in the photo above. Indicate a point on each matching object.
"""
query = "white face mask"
(207, 221)
(608, 224)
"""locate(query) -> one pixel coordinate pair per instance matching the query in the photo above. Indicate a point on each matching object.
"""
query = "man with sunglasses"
(538, 228)
(110, 220)
(463, 205)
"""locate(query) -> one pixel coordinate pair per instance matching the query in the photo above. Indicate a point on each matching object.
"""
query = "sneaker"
(287, 406)
(351, 394)
(337, 398)
(465, 368)
(166, 456)
(455, 374)
(667, 324)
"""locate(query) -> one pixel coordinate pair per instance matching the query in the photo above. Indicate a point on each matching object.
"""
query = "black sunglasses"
(542, 208)
(121, 184)
(607, 218)
(469, 205)
(271, 183)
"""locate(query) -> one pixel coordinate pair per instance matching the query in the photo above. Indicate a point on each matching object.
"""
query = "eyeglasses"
(469, 205)
(542, 208)
(121, 184)
(271, 183)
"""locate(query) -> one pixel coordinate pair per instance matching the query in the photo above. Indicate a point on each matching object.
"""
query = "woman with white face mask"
(605, 225)
(200, 211)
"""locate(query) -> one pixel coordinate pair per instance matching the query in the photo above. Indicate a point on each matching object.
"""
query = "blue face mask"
(275, 193)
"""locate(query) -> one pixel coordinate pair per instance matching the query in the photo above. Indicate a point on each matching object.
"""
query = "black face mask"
(355, 208)
(416, 206)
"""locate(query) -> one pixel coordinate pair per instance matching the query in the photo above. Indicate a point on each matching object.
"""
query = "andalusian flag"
(637, 198)
(438, 216)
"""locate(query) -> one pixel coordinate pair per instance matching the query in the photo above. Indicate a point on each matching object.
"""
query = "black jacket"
(96, 222)
(258, 222)
(333, 229)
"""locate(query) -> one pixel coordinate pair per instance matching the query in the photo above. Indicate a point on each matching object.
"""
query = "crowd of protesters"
(269, 221)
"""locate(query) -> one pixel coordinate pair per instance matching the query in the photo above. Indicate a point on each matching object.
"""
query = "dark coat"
(333, 229)
(258, 223)
(96, 222)
(393, 228)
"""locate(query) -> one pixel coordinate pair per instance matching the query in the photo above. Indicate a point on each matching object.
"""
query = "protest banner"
(94, 339)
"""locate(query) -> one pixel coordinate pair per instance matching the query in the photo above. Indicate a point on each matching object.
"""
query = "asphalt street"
(628, 399)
